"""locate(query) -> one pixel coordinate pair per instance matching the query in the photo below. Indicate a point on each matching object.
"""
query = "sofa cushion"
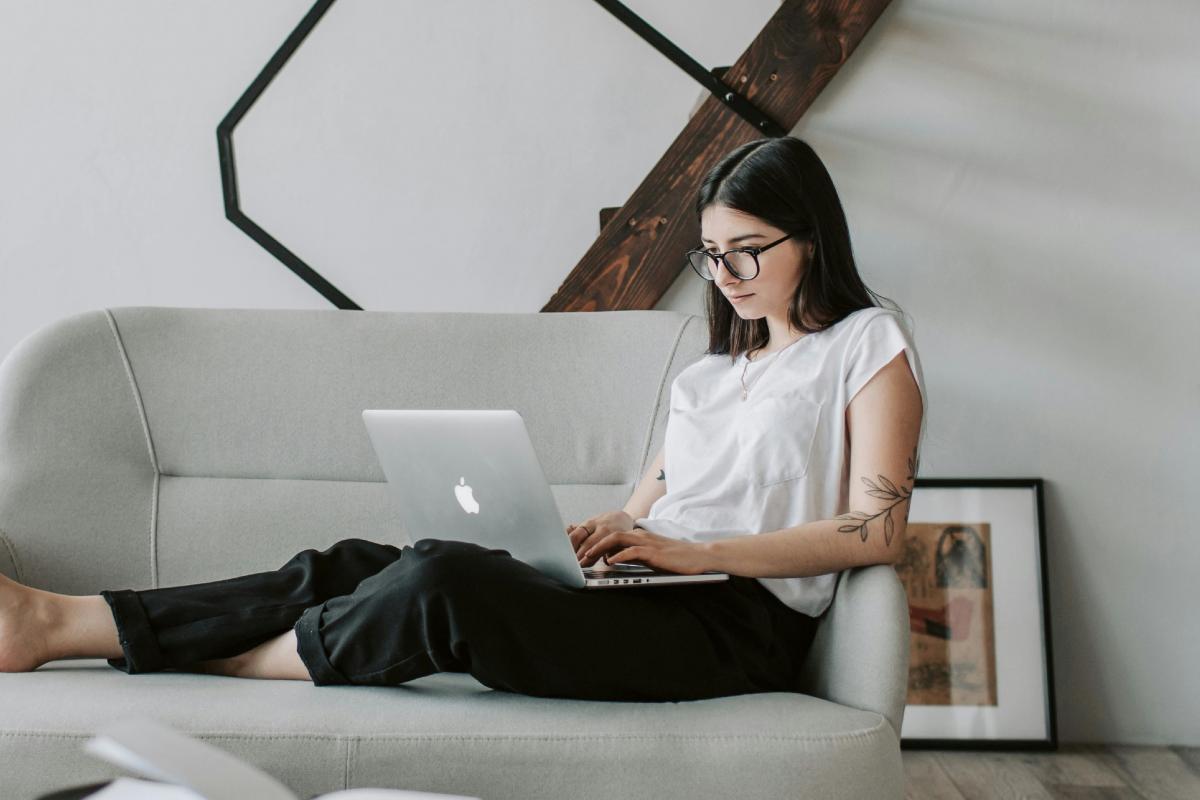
(449, 733)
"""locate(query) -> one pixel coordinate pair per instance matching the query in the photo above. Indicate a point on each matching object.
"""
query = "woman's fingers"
(618, 556)
(589, 550)
(588, 541)
(579, 536)
(602, 543)
(615, 540)
(592, 540)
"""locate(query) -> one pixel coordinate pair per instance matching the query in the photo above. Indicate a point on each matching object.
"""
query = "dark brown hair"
(783, 182)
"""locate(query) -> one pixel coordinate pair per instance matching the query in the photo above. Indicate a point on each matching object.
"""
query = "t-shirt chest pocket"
(776, 434)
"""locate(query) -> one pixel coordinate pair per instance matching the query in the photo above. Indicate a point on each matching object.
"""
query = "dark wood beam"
(639, 252)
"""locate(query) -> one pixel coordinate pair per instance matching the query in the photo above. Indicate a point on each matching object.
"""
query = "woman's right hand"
(595, 528)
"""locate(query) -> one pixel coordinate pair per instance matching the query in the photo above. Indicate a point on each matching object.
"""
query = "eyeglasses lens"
(741, 265)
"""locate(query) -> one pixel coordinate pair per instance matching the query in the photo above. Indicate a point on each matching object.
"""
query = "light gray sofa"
(150, 446)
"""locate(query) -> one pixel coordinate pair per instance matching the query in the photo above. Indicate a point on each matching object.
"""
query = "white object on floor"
(196, 770)
(139, 789)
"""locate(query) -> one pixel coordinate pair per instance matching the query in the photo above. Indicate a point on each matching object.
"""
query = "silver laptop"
(473, 476)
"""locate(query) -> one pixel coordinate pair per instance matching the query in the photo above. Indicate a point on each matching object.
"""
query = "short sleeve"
(878, 342)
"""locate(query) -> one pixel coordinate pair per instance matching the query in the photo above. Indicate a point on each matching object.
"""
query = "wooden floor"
(1074, 772)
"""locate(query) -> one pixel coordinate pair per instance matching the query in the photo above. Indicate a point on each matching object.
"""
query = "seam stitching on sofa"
(863, 735)
(12, 554)
(351, 742)
(337, 480)
(141, 409)
(658, 398)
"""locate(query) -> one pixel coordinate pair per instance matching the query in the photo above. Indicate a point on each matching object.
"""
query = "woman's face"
(723, 228)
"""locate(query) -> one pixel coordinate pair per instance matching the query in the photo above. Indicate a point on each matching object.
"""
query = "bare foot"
(26, 615)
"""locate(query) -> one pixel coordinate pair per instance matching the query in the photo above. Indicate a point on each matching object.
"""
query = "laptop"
(473, 476)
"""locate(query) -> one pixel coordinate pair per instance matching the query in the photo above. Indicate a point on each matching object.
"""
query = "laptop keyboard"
(619, 569)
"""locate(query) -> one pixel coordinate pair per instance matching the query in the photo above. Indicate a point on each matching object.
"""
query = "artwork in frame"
(974, 569)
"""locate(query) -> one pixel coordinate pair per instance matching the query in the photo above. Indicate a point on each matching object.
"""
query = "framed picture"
(974, 568)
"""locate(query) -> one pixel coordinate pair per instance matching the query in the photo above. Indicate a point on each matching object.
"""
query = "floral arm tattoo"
(884, 490)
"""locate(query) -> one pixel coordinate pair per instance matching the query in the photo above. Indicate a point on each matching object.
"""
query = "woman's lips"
(740, 299)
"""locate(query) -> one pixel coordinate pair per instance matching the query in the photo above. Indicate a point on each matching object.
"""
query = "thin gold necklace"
(745, 389)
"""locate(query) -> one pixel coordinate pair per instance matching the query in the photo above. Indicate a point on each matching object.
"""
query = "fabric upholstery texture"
(155, 446)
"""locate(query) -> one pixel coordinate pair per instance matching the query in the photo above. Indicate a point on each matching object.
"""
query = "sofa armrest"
(859, 656)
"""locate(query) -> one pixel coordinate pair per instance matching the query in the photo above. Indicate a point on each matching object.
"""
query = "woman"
(764, 446)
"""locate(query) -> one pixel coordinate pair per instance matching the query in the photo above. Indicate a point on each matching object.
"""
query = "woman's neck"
(766, 352)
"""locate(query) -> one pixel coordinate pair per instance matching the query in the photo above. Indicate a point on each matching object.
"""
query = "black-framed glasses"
(742, 262)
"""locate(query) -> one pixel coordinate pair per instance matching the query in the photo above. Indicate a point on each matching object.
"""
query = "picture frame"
(980, 665)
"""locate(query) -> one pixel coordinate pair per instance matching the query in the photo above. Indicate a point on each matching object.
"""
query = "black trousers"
(375, 614)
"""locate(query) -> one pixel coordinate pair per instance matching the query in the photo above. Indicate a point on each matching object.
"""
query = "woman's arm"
(884, 423)
(652, 487)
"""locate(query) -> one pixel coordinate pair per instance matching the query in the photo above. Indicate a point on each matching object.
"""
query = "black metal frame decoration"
(974, 568)
(228, 163)
(709, 79)
(229, 187)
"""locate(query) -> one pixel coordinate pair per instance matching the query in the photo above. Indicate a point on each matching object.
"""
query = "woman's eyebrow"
(736, 238)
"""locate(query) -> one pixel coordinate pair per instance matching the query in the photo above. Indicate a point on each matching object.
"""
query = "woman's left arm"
(884, 424)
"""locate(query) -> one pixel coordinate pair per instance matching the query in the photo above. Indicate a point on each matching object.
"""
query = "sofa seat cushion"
(449, 733)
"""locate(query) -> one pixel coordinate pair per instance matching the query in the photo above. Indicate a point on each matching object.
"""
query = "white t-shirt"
(781, 457)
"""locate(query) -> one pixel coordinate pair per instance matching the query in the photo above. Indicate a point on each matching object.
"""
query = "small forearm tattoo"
(884, 490)
(662, 475)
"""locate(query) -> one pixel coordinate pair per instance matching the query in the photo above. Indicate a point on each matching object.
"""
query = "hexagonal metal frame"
(229, 187)
(710, 80)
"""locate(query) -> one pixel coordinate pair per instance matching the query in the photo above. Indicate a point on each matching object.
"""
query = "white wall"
(1021, 177)
(466, 126)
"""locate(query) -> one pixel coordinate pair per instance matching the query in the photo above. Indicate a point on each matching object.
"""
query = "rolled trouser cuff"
(312, 653)
(142, 653)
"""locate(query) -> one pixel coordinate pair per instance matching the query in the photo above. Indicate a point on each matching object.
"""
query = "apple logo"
(462, 493)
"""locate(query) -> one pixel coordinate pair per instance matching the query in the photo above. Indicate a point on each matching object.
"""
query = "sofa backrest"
(155, 446)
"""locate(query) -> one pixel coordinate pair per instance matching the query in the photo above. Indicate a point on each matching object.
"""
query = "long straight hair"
(783, 182)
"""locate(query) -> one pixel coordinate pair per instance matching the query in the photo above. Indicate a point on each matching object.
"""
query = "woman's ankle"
(25, 621)
(80, 626)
